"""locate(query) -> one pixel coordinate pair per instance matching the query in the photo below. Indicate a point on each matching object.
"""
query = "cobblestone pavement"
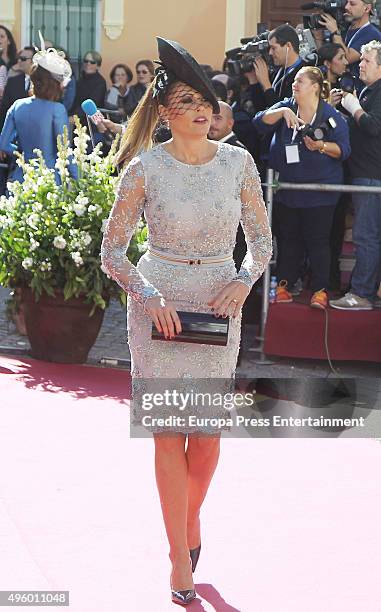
(111, 349)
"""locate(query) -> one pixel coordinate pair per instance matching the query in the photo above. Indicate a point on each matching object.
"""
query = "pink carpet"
(288, 525)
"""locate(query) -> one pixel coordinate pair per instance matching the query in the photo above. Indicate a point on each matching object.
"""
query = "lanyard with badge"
(356, 34)
(292, 150)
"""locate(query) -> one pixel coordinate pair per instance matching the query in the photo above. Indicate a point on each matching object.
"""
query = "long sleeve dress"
(192, 211)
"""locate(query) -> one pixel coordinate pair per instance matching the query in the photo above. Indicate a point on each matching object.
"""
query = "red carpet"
(297, 330)
(288, 525)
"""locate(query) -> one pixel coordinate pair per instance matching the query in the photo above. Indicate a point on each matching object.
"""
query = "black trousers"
(304, 231)
(337, 239)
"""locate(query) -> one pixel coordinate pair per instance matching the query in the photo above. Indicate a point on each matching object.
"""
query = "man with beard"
(360, 32)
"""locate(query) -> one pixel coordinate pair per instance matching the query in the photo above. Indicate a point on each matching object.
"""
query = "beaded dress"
(192, 211)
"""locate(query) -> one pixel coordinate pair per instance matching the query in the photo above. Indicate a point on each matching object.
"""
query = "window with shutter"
(71, 24)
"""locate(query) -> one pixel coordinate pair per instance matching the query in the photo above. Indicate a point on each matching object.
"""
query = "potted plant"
(50, 240)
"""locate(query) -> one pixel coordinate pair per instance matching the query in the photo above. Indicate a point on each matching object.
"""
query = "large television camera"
(242, 59)
(336, 8)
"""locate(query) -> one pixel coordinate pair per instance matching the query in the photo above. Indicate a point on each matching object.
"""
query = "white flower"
(86, 238)
(27, 263)
(33, 220)
(95, 208)
(51, 196)
(81, 199)
(59, 242)
(76, 257)
(46, 266)
(5, 221)
(34, 244)
(79, 209)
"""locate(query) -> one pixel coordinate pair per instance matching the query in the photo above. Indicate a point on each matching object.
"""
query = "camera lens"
(318, 134)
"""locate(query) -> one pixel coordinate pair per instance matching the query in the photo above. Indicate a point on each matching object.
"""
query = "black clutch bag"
(199, 328)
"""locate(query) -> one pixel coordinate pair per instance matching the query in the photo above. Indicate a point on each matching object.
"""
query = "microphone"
(309, 5)
(89, 107)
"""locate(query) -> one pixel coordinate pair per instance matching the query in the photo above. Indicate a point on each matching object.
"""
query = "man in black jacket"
(17, 86)
(284, 50)
(365, 169)
(221, 127)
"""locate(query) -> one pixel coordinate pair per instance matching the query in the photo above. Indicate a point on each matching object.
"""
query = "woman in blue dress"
(35, 122)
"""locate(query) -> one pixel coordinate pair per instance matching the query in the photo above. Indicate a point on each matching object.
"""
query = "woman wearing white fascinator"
(35, 122)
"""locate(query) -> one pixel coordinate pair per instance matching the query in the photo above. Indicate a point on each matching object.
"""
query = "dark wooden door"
(275, 12)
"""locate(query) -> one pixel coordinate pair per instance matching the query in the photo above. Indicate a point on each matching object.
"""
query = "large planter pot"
(60, 330)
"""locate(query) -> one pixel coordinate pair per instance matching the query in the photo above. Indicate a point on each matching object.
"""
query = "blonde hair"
(140, 128)
(316, 76)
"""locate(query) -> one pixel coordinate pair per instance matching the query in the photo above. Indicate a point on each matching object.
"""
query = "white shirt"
(225, 138)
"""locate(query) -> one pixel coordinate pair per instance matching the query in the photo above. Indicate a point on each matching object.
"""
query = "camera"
(347, 82)
(318, 132)
(242, 59)
(336, 8)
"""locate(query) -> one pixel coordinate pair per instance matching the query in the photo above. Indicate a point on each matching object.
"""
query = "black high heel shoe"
(194, 555)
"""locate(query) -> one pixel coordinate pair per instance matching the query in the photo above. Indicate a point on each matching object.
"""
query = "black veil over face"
(181, 98)
(177, 65)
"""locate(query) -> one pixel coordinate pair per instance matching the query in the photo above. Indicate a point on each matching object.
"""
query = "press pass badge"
(292, 150)
(292, 154)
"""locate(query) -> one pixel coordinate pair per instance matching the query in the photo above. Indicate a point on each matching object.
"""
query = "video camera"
(336, 8)
(242, 59)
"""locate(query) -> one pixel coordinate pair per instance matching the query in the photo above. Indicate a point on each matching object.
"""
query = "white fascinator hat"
(54, 61)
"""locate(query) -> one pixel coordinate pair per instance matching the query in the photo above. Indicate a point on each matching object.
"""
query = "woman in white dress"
(193, 193)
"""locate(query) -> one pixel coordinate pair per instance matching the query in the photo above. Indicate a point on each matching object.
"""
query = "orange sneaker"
(282, 295)
(320, 299)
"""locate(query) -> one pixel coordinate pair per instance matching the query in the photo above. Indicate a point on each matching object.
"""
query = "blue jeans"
(366, 274)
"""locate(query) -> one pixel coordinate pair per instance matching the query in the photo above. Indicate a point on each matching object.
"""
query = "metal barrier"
(271, 187)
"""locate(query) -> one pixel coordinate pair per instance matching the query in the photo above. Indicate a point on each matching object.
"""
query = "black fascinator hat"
(176, 64)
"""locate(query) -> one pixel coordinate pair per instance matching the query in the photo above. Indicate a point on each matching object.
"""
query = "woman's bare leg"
(202, 458)
(172, 476)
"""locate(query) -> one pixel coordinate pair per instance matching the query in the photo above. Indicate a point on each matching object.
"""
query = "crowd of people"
(295, 118)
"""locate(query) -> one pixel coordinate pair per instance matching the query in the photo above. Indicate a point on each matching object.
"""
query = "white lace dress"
(192, 211)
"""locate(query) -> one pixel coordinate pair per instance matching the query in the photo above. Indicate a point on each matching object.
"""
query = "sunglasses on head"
(89, 61)
(22, 58)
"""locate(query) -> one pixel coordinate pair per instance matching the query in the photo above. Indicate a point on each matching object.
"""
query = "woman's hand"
(164, 315)
(313, 145)
(229, 301)
(291, 119)
(335, 97)
(115, 128)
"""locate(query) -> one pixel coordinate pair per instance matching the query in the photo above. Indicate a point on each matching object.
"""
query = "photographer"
(333, 59)
(311, 141)
(360, 32)
(365, 169)
(284, 50)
